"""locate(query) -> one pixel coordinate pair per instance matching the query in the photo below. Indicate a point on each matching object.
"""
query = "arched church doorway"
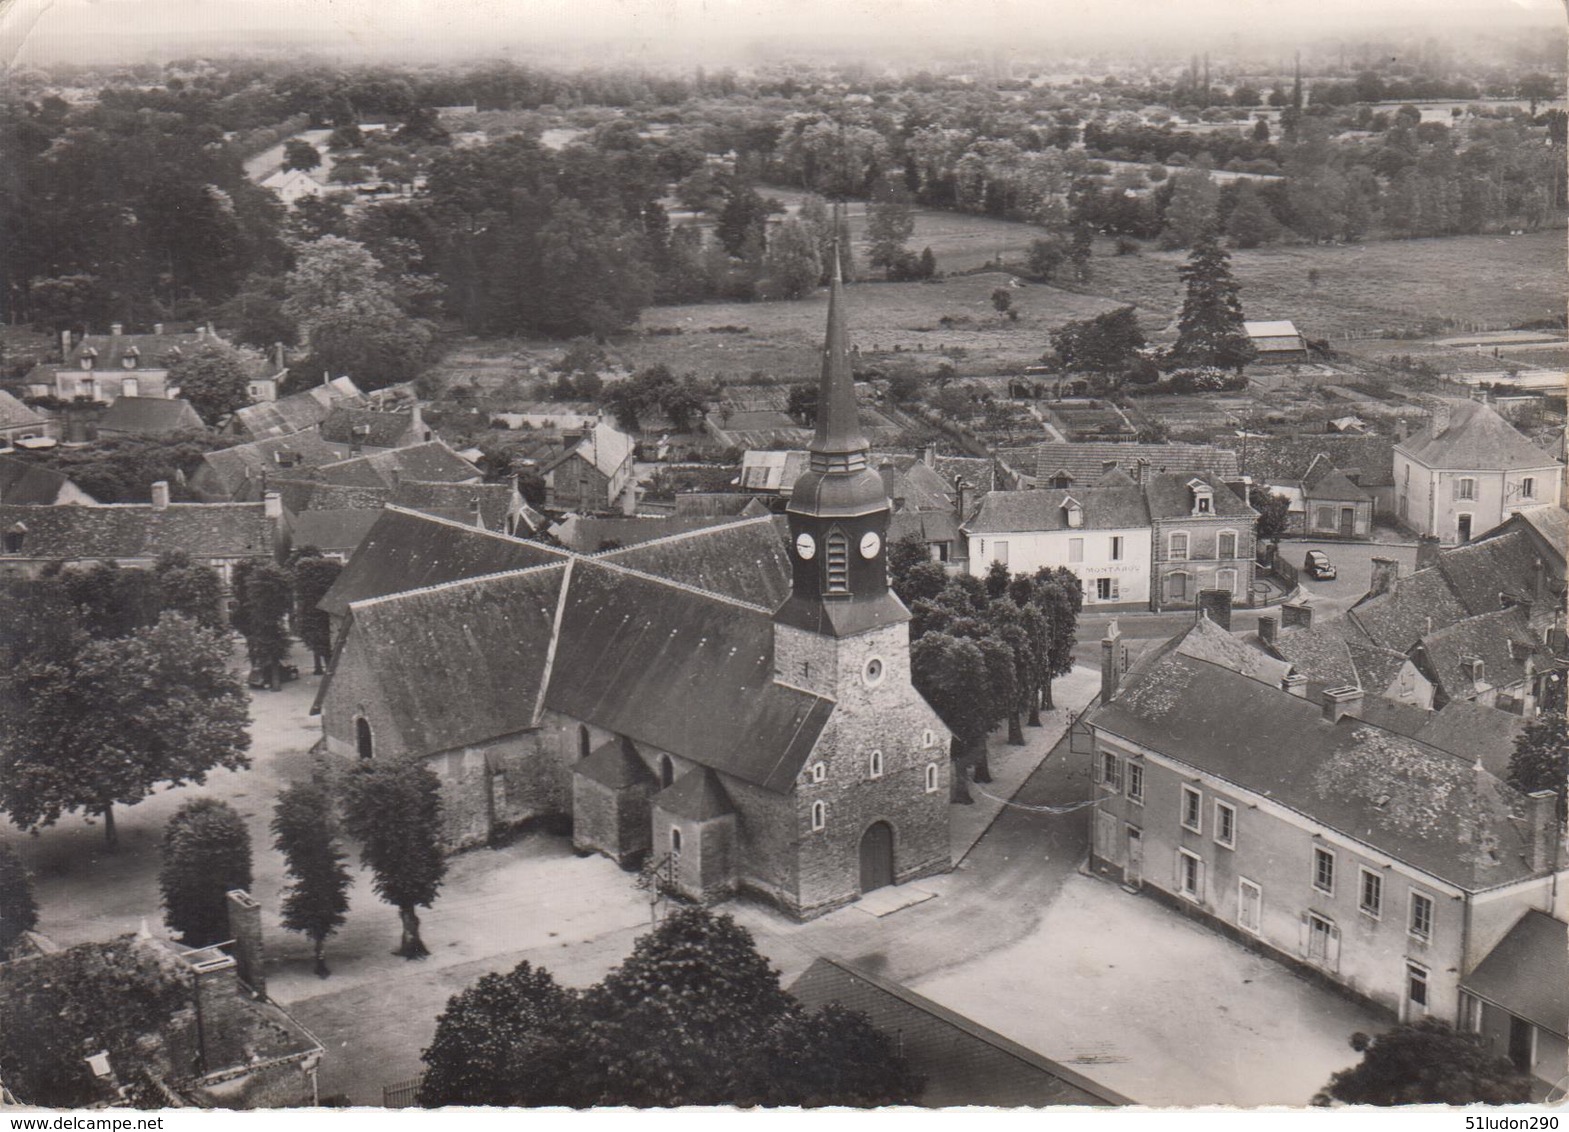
(877, 856)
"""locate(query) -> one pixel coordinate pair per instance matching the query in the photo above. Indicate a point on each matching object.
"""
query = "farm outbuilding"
(1277, 342)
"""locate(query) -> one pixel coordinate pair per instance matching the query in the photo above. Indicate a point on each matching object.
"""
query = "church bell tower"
(838, 511)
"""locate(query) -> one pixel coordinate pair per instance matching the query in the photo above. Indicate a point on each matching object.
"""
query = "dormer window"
(1074, 511)
(1203, 497)
(129, 358)
(88, 358)
(15, 537)
(1061, 480)
(1472, 667)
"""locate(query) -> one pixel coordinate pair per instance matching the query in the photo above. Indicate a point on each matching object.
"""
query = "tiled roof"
(138, 530)
(977, 472)
(1320, 653)
(1086, 462)
(697, 795)
(152, 351)
(1169, 496)
(1325, 481)
(1430, 809)
(912, 486)
(1208, 641)
(1103, 508)
(150, 416)
(239, 470)
(682, 671)
(604, 446)
(406, 551)
(294, 413)
(1417, 604)
(746, 560)
(1480, 573)
(15, 414)
(302, 494)
(1284, 459)
(615, 763)
(1477, 439)
(1476, 731)
(459, 664)
(382, 429)
(927, 526)
(959, 1061)
(335, 531)
(495, 500)
(1502, 640)
(24, 482)
(1551, 525)
(1527, 972)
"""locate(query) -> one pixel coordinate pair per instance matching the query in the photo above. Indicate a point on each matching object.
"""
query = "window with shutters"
(1107, 589)
(1075, 550)
(1227, 545)
(1135, 782)
(1190, 875)
(1177, 546)
(837, 560)
(1192, 809)
(1226, 580)
(1528, 487)
(1116, 548)
(1322, 942)
(1225, 824)
(1465, 488)
(1421, 921)
(1110, 770)
(1250, 905)
(1000, 552)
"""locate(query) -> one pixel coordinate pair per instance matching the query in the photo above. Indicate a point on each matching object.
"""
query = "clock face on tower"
(870, 544)
(805, 545)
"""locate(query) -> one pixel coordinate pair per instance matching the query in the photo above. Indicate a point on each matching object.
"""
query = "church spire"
(838, 445)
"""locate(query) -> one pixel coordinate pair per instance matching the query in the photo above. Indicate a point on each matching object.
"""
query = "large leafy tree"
(1108, 343)
(1274, 512)
(951, 674)
(890, 222)
(214, 377)
(1209, 329)
(61, 1006)
(393, 809)
(792, 263)
(86, 725)
(598, 281)
(1426, 1062)
(313, 577)
(694, 1016)
(1541, 758)
(18, 905)
(263, 597)
(189, 588)
(206, 851)
(316, 900)
(299, 154)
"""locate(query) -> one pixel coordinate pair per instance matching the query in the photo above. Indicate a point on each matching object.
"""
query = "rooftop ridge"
(687, 586)
(367, 602)
(663, 539)
(428, 517)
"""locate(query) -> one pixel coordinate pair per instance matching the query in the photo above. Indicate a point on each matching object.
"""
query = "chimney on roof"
(1386, 571)
(157, 328)
(1296, 615)
(1544, 829)
(160, 495)
(1538, 583)
(1342, 701)
(1113, 662)
(417, 423)
(272, 506)
(219, 1028)
(927, 454)
(357, 436)
(117, 328)
(1296, 684)
(201, 332)
(65, 344)
(245, 927)
(1268, 630)
(1140, 466)
(477, 514)
(960, 489)
(1440, 414)
(1216, 605)
(1401, 429)
(1426, 551)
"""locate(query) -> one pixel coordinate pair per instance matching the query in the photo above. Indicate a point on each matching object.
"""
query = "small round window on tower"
(874, 670)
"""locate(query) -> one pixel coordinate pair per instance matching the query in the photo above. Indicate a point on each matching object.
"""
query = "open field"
(1383, 285)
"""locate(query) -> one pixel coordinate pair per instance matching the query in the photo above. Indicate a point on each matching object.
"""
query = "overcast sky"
(38, 31)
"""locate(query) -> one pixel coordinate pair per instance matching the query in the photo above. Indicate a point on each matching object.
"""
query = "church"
(732, 704)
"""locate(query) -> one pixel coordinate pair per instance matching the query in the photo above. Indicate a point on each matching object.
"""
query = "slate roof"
(430, 462)
(615, 763)
(1477, 439)
(1368, 459)
(1465, 727)
(1527, 972)
(588, 534)
(747, 560)
(231, 472)
(301, 495)
(1320, 653)
(335, 531)
(1085, 462)
(682, 671)
(16, 414)
(1478, 573)
(406, 550)
(1550, 525)
(1417, 604)
(1208, 641)
(462, 663)
(1325, 481)
(912, 486)
(928, 526)
(697, 795)
(960, 1061)
(1502, 640)
(24, 482)
(152, 351)
(495, 500)
(137, 530)
(1168, 496)
(1103, 508)
(1426, 807)
(150, 416)
(383, 428)
(294, 413)
(977, 472)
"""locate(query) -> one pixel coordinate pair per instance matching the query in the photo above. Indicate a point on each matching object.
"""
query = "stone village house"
(743, 716)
